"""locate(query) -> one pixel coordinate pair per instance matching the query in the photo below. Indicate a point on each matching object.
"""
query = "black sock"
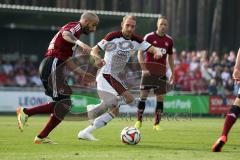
(141, 108)
(158, 113)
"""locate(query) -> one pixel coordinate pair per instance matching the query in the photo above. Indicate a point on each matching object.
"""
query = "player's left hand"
(100, 62)
(171, 79)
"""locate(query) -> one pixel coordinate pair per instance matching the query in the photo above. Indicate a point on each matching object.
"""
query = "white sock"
(102, 120)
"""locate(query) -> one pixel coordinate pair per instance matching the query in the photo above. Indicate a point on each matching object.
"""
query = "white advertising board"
(10, 100)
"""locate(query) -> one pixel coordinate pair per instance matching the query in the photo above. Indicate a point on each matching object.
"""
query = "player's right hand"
(100, 62)
(85, 48)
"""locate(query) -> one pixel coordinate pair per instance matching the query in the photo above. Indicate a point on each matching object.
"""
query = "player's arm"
(141, 62)
(95, 55)
(236, 72)
(68, 36)
(171, 65)
(156, 51)
(74, 67)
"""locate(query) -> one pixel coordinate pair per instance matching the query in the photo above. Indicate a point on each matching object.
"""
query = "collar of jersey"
(125, 37)
(158, 35)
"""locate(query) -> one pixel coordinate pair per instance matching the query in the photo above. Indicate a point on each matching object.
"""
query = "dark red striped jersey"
(59, 47)
(165, 43)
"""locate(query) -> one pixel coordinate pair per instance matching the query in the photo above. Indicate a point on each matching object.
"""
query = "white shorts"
(110, 84)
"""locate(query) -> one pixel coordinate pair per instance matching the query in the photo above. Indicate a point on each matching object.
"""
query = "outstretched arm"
(236, 72)
(141, 62)
(95, 55)
(156, 51)
(68, 36)
(74, 66)
(171, 65)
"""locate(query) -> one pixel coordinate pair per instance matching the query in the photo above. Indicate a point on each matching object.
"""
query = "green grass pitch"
(179, 140)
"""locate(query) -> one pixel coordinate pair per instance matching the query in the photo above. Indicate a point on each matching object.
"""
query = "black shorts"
(52, 76)
(159, 84)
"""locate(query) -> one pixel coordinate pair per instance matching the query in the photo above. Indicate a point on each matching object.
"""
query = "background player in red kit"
(154, 71)
(52, 69)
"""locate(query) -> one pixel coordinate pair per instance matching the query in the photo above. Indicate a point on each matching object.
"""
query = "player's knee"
(62, 107)
(237, 101)
(159, 98)
(114, 110)
(110, 102)
(159, 105)
(143, 96)
(129, 99)
(141, 104)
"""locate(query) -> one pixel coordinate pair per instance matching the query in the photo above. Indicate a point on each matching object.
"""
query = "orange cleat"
(217, 146)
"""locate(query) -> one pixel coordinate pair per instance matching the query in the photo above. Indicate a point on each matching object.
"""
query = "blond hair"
(129, 17)
(162, 17)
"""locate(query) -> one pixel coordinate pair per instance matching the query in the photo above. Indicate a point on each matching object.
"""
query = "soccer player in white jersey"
(232, 114)
(118, 47)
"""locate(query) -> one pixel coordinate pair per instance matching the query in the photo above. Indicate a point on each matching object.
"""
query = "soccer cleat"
(21, 118)
(86, 136)
(217, 146)
(157, 127)
(46, 140)
(138, 124)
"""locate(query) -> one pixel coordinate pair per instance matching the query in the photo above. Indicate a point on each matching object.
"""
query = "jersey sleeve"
(73, 28)
(144, 46)
(109, 37)
(102, 44)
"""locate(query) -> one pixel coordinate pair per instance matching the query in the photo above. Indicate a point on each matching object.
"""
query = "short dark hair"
(89, 15)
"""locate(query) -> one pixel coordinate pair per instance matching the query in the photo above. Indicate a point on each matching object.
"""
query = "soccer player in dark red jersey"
(233, 113)
(154, 71)
(58, 58)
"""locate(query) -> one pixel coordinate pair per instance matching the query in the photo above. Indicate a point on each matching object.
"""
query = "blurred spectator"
(7, 67)
(3, 78)
(212, 88)
(225, 75)
(195, 72)
(229, 87)
(34, 78)
(21, 78)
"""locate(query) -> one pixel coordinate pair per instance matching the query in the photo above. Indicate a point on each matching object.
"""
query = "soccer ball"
(130, 135)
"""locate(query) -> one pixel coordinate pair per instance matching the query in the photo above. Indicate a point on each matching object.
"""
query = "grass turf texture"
(179, 140)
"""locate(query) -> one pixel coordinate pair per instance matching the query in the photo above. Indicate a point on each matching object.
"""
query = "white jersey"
(118, 50)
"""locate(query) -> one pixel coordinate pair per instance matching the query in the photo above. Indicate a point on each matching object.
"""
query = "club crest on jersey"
(154, 42)
(125, 45)
(166, 44)
(110, 46)
(163, 51)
